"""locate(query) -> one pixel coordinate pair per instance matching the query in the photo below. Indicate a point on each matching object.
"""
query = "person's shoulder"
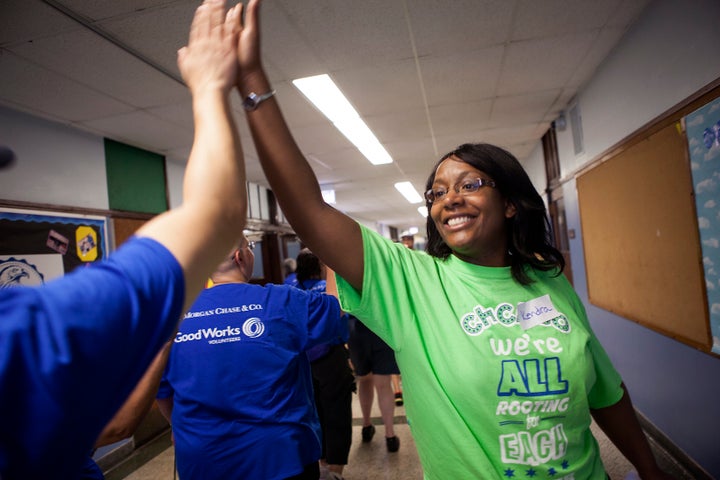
(281, 289)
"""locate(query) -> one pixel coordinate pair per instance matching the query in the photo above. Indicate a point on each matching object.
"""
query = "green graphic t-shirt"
(498, 377)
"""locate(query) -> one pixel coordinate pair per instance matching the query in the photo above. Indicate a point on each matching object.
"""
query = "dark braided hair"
(529, 232)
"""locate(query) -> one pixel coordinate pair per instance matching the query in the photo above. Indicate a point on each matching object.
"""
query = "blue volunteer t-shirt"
(72, 350)
(241, 383)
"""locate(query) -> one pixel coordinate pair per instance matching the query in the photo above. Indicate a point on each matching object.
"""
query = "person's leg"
(366, 395)
(384, 367)
(386, 402)
(337, 384)
(397, 387)
(360, 346)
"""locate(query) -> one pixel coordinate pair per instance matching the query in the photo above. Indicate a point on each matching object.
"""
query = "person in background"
(75, 347)
(408, 239)
(374, 364)
(238, 388)
(333, 380)
(289, 266)
(502, 370)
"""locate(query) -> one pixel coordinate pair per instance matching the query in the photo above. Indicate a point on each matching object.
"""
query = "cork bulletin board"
(640, 235)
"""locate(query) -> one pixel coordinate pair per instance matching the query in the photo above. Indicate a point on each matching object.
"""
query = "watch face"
(250, 102)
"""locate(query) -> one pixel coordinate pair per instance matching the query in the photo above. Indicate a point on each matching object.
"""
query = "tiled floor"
(368, 461)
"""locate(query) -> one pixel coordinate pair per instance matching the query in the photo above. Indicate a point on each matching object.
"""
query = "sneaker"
(334, 476)
(398, 399)
(368, 433)
(393, 443)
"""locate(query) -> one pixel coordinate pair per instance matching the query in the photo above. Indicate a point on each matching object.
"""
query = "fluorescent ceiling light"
(328, 98)
(423, 211)
(413, 230)
(408, 192)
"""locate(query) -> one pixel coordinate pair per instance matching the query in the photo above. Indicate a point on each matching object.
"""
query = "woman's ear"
(236, 258)
(510, 209)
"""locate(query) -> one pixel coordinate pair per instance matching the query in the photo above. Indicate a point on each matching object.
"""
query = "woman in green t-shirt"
(500, 366)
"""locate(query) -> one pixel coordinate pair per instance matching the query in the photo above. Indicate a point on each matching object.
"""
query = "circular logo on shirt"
(253, 327)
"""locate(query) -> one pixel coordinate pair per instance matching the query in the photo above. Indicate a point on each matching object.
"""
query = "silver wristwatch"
(252, 101)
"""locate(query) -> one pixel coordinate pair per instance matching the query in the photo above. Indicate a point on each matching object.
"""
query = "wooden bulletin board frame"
(641, 240)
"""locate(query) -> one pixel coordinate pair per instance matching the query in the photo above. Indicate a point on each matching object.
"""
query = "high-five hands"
(209, 61)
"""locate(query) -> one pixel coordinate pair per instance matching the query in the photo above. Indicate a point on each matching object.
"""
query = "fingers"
(216, 16)
(195, 26)
(207, 16)
(252, 16)
(232, 19)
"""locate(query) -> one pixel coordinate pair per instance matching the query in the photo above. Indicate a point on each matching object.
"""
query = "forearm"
(215, 172)
(321, 227)
(214, 196)
(284, 164)
(621, 425)
(136, 407)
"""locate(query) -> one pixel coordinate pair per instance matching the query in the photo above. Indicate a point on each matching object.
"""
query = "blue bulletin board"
(703, 134)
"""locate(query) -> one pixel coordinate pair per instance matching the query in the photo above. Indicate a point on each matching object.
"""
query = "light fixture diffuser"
(327, 97)
(409, 192)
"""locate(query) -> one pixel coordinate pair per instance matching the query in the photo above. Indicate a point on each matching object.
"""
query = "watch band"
(253, 100)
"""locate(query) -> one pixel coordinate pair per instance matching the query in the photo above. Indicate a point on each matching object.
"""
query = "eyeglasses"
(466, 187)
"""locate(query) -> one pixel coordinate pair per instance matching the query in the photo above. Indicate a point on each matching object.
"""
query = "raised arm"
(212, 215)
(330, 234)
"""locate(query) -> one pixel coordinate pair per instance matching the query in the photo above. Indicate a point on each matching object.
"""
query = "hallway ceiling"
(425, 75)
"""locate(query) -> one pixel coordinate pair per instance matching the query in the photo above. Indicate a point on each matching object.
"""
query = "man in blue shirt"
(238, 386)
(74, 348)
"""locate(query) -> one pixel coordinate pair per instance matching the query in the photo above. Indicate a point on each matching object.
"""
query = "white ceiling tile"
(89, 59)
(442, 28)
(543, 64)
(629, 12)
(467, 117)
(143, 130)
(399, 125)
(381, 88)
(177, 113)
(25, 20)
(103, 9)
(44, 91)
(507, 136)
(158, 33)
(523, 109)
(602, 45)
(462, 77)
(552, 18)
(374, 31)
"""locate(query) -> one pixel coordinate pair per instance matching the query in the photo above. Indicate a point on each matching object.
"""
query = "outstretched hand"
(248, 45)
(209, 61)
